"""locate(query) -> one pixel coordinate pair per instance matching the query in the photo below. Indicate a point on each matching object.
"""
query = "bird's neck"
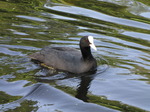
(86, 53)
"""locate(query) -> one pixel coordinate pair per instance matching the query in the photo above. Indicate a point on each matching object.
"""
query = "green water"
(121, 29)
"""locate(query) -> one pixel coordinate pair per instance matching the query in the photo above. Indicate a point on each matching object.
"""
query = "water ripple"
(97, 15)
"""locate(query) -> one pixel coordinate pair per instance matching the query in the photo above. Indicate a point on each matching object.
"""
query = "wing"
(59, 57)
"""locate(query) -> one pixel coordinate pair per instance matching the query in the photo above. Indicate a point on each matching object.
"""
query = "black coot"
(69, 59)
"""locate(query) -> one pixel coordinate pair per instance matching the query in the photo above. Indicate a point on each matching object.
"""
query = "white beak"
(92, 43)
(93, 46)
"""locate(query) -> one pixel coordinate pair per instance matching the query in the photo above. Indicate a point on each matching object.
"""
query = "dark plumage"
(69, 59)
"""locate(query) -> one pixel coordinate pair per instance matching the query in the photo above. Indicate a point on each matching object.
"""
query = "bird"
(69, 59)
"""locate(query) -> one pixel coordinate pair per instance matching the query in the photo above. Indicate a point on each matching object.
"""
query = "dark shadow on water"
(83, 87)
(86, 80)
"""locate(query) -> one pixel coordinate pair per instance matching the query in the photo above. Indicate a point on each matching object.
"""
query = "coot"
(69, 59)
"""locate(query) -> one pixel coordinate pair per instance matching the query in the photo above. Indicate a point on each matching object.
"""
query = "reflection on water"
(83, 88)
(121, 29)
(134, 7)
(97, 15)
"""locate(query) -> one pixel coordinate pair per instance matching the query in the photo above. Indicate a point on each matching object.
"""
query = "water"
(121, 29)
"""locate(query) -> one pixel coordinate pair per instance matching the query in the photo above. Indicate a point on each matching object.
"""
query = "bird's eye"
(87, 40)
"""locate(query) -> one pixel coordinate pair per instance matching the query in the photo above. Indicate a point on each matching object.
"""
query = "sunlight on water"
(98, 15)
(121, 29)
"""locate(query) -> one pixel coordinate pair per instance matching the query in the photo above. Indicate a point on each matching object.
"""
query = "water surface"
(121, 29)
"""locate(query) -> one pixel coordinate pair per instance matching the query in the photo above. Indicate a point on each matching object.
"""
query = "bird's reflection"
(83, 87)
(86, 80)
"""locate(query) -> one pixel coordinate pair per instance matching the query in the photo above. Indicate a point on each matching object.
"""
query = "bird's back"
(63, 58)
